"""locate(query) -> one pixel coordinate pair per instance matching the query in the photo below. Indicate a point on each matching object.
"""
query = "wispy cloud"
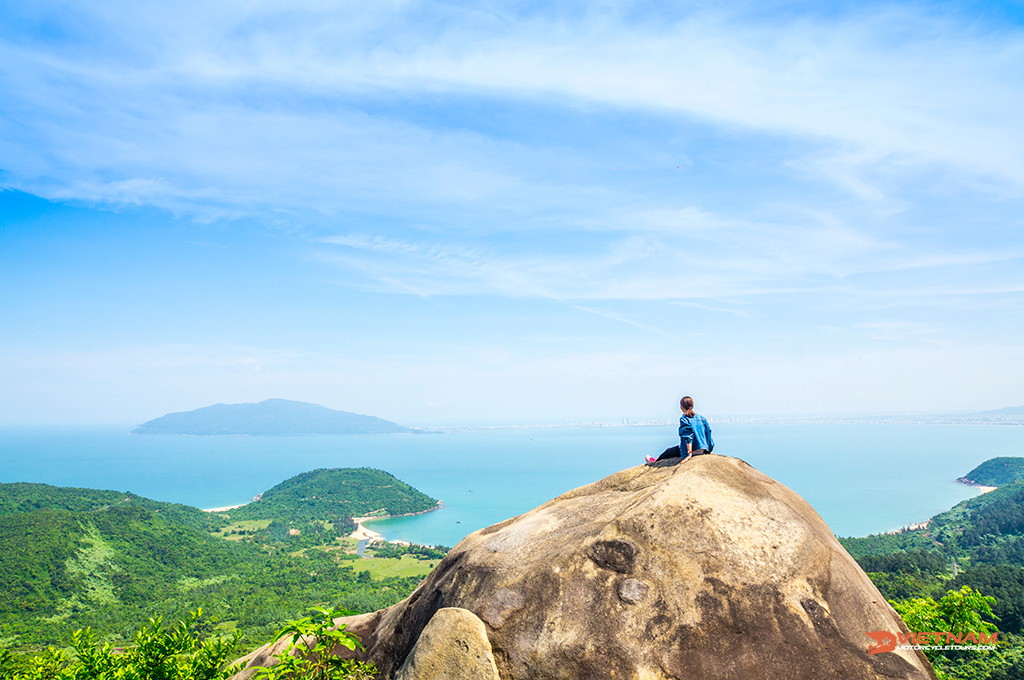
(251, 110)
(737, 262)
(757, 172)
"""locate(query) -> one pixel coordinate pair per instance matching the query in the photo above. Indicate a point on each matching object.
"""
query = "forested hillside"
(987, 529)
(978, 543)
(327, 494)
(71, 558)
(24, 497)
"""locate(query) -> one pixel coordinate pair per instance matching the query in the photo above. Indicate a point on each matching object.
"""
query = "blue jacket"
(696, 432)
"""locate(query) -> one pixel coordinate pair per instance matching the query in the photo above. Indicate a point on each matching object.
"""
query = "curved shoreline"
(363, 532)
(984, 488)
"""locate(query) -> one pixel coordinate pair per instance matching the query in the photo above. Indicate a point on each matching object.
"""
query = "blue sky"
(441, 212)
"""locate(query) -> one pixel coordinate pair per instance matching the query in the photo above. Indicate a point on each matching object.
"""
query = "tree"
(959, 612)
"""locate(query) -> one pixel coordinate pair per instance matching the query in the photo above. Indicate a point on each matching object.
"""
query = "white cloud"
(840, 171)
(250, 109)
(730, 260)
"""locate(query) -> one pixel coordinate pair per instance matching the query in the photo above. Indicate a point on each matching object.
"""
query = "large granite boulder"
(703, 570)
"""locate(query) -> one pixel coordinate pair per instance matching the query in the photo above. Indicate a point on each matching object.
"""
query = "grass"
(382, 567)
(92, 564)
(244, 525)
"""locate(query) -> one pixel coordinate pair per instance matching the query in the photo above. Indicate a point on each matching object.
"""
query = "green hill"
(25, 497)
(22, 497)
(270, 417)
(326, 494)
(996, 472)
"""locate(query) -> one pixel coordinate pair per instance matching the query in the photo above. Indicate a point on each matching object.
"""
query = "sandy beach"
(224, 509)
(362, 533)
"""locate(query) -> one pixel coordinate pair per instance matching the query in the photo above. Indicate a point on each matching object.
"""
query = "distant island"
(269, 417)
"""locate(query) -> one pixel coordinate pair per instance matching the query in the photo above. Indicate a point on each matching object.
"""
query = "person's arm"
(685, 437)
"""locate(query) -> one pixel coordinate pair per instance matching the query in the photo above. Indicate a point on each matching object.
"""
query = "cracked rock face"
(705, 570)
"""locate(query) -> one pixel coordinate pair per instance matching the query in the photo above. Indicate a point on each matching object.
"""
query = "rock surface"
(453, 646)
(704, 570)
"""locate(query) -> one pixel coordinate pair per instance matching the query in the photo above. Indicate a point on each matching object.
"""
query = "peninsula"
(995, 472)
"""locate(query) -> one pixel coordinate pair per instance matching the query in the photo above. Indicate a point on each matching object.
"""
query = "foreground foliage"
(179, 652)
(961, 612)
(310, 655)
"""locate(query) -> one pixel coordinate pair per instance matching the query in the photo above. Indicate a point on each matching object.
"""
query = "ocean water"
(860, 478)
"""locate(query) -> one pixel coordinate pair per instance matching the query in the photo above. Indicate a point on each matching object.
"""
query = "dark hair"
(686, 403)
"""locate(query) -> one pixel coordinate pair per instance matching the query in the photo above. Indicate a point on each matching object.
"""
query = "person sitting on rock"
(694, 435)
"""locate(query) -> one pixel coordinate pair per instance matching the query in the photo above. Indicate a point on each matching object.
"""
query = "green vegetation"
(77, 558)
(419, 552)
(996, 472)
(22, 497)
(26, 497)
(389, 567)
(181, 652)
(188, 651)
(988, 529)
(969, 561)
(330, 494)
(311, 653)
(959, 612)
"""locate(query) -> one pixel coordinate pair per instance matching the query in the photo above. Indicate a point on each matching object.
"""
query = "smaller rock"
(632, 590)
(452, 646)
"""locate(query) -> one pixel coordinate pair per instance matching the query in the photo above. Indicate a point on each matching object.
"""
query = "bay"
(862, 478)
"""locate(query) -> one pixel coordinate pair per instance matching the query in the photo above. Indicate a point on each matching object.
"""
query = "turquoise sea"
(860, 478)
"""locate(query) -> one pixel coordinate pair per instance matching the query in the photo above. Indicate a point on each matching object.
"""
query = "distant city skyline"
(442, 213)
